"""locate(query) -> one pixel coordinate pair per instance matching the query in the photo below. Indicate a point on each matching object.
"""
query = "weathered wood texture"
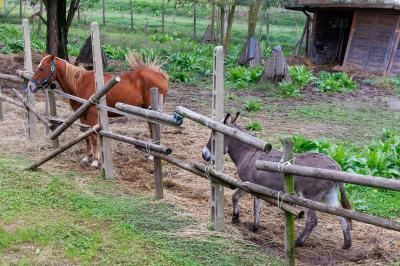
(156, 139)
(29, 68)
(85, 106)
(146, 145)
(63, 148)
(226, 130)
(276, 68)
(1, 108)
(373, 41)
(53, 112)
(11, 77)
(217, 140)
(105, 144)
(288, 182)
(232, 183)
(322, 207)
(11, 100)
(162, 117)
(370, 181)
(207, 37)
(32, 108)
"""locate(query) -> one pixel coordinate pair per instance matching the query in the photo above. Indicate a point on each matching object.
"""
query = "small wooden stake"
(289, 218)
(1, 108)
(156, 138)
(217, 141)
(105, 144)
(28, 67)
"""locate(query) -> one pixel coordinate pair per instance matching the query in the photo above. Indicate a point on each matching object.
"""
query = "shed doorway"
(330, 36)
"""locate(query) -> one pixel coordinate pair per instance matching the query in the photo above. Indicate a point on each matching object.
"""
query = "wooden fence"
(218, 179)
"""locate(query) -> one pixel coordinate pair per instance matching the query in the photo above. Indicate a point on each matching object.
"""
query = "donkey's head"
(229, 121)
(44, 75)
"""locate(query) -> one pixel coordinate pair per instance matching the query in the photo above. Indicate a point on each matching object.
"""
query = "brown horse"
(133, 89)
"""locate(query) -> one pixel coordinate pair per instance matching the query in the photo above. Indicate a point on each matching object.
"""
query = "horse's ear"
(236, 117)
(228, 119)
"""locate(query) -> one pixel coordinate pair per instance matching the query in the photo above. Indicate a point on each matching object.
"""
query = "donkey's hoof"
(84, 161)
(95, 164)
(235, 219)
(254, 228)
(299, 243)
(347, 245)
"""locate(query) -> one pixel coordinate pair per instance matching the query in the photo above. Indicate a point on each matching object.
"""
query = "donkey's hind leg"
(311, 222)
(257, 212)
(235, 201)
(331, 198)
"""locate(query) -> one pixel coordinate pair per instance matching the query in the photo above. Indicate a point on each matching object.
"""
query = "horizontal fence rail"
(370, 181)
(64, 147)
(11, 77)
(110, 109)
(147, 145)
(95, 97)
(155, 115)
(224, 129)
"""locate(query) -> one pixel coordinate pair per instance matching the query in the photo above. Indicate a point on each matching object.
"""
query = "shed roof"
(316, 4)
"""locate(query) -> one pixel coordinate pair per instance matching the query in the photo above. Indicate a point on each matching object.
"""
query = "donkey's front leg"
(257, 212)
(96, 152)
(235, 201)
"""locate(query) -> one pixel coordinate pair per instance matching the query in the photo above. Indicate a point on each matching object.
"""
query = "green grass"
(64, 217)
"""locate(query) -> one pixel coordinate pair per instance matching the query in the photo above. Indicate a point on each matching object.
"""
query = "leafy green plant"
(114, 52)
(253, 106)
(335, 82)
(289, 89)
(300, 75)
(162, 38)
(241, 77)
(254, 126)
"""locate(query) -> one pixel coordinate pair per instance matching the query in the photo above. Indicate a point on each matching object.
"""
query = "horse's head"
(229, 121)
(44, 75)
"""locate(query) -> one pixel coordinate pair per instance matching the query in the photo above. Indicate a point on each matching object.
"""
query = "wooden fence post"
(289, 218)
(156, 138)
(1, 108)
(217, 146)
(105, 144)
(28, 67)
(51, 98)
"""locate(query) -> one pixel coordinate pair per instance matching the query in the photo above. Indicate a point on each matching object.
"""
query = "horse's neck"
(68, 76)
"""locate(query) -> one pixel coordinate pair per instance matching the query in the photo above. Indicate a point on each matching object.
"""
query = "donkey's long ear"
(236, 117)
(228, 119)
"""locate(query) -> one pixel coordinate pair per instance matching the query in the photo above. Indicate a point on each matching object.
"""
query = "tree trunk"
(267, 33)
(253, 16)
(20, 10)
(173, 20)
(222, 19)
(163, 17)
(39, 30)
(104, 12)
(229, 29)
(131, 15)
(51, 35)
(194, 21)
(213, 22)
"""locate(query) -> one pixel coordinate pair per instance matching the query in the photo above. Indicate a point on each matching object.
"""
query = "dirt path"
(371, 245)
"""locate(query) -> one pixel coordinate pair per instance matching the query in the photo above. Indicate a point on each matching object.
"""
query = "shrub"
(253, 106)
(241, 77)
(289, 89)
(254, 126)
(300, 75)
(335, 82)
(162, 38)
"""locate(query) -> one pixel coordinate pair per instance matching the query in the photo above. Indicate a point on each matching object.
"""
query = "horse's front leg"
(86, 160)
(96, 152)
(151, 157)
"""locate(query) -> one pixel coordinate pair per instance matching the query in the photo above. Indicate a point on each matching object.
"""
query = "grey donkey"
(245, 156)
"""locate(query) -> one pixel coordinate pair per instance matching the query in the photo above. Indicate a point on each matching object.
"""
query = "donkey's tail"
(345, 200)
(137, 62)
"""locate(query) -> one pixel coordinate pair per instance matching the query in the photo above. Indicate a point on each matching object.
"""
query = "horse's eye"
(41, 69)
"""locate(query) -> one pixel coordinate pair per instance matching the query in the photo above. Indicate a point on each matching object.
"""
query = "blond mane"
(136, 62)
(73, 74)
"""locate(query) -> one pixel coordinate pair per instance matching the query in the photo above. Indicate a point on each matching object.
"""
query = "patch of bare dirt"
(371, 245)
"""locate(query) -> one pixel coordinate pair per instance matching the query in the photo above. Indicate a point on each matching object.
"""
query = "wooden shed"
(360, 34)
